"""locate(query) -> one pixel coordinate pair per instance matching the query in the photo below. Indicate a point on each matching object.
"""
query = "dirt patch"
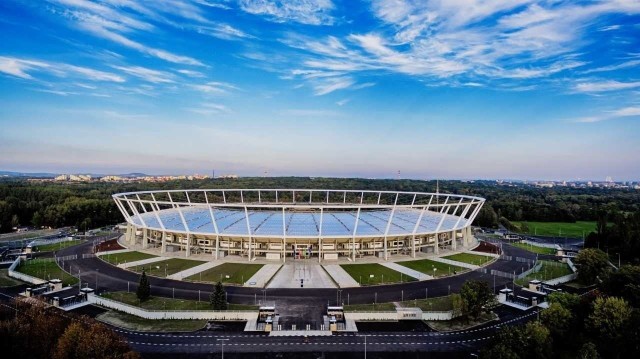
(110, 245)
(485, 247)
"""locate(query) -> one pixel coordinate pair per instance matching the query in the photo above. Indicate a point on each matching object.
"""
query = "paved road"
(308, 303)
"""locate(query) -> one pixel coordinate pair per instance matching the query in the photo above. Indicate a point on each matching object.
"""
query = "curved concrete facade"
(280, 223)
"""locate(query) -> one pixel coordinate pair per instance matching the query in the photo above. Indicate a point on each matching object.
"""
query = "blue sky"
(434, 89)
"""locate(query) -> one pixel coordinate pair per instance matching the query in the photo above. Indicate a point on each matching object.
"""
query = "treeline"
(32, 331)
(617, 232)
(90, 204)
(604, 323)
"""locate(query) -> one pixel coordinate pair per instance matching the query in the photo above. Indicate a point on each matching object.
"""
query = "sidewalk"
(194, 270)
(407, 271)
(340, 276)
(144, 261)
(262, 276)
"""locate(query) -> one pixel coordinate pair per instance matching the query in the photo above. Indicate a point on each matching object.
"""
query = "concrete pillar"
(145, 239)
(188, 248)
(163, 247)
(436, 250)
(319, 250)
(454, 241)
(386, 257)
(217, 247)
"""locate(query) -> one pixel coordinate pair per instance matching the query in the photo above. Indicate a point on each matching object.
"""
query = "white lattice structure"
(276, 223)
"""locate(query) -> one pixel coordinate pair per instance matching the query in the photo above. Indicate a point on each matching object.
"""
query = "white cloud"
(191, 73)
(225, 32)
(22, 68)
(605, 86)
(310, 12)
(147, 74)
(332, 84)
(210, 109)
(462, 40)
(113, 22)
(621, 66)
(631, 111)
(216, 88)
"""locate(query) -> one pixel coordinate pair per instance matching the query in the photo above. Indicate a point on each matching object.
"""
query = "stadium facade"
(276, 224)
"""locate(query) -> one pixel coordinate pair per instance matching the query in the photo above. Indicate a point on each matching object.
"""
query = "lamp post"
(365, 345)
(222, 346)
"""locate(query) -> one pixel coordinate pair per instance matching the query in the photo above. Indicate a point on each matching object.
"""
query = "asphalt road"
(292, 302)
(308, 305)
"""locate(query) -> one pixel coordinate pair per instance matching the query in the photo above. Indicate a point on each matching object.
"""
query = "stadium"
(276, 224)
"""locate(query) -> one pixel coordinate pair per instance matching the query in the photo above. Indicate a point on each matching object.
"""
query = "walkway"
(407, 271)
(340, 276)
(142, 262)
(194, 270)
(293, 272)
(454, 263)
(262, 276)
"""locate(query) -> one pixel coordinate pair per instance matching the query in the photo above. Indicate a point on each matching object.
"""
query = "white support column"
(224, 197)
(379, 195)
(454, 240)
(386, 231)
(155, 211)
(246, 216)
(444, 215)
(320, 235)
(145, 239)
(415, 229)
(353, 237)
(215, 224)
(186, 229)
(241, 197)
(284, 236)
(163, 247)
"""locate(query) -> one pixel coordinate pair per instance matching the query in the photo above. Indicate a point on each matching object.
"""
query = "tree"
(609, 323)
(588, 351)
(144, 288)
(557, 318)
(593, 264)
(91, 341)
(624, 283)
(457, 304)
(475, 295)
(218, 298)
(15, 221)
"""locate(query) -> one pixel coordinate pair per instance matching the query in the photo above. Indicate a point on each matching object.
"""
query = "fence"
(533, 269)
(388, 316)
(171, 314)
(21, 276)
(538, 244)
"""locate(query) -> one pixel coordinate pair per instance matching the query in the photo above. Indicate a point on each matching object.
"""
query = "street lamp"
(222, 346)
(365, 345)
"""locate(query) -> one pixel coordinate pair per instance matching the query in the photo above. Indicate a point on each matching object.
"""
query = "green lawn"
(382, 307)
(469, 258)
(125, 257)
(46, 269)
(238, 273)
(426, 266)
(166, 267)
(57, 246)
(437, 304)
(6, 281)
(132, 322)
(535, 249)
(381, 274)
(162, 303)
(549, 270)
(559, 229)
